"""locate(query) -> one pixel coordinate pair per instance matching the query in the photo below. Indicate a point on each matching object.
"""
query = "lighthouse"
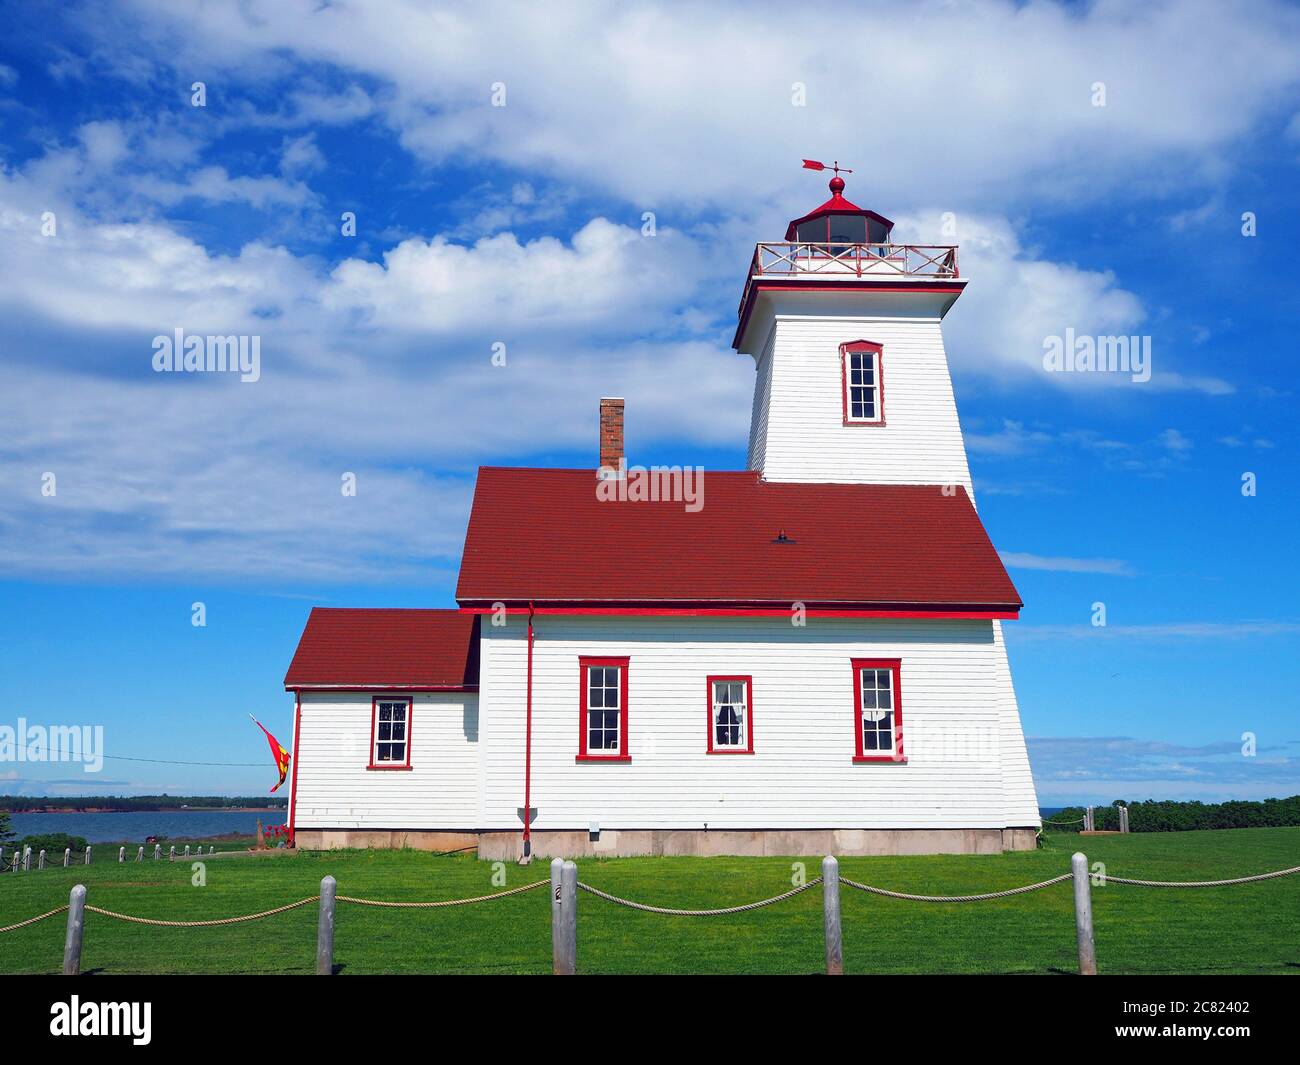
(845, 329)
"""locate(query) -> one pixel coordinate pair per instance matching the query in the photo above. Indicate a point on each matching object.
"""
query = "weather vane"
(813, 164)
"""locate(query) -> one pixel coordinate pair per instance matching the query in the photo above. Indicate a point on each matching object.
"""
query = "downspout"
(528, 746)
(293, 784)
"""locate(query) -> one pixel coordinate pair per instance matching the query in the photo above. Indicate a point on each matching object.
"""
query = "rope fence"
(565, 886)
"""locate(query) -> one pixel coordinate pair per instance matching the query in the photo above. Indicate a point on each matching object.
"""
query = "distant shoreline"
(152, 810)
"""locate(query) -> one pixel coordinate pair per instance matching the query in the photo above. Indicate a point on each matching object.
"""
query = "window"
(390, 732)
(878, 710)
(730, 716)
(602, 725)
(864, 389)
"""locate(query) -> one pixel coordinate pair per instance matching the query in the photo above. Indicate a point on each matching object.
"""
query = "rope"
(444, 902)
(1201, 883)
(697, 913)
(200, 924)
(1078, 822)
(957, 898)
(31, 920)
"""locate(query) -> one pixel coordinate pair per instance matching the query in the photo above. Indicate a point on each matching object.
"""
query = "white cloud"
(1021, 560)
(1013, 82)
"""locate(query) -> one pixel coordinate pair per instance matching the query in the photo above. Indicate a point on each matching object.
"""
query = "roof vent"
(781, 538)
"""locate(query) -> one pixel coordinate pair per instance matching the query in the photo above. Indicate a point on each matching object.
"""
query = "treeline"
(1166, 816)
(126, 803)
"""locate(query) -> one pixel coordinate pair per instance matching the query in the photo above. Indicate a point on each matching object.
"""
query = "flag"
(812, 164)
(280, 755)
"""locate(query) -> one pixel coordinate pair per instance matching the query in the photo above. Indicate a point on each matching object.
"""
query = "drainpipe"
(528, 745)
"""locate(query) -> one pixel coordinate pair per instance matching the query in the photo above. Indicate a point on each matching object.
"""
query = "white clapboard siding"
(801, 435)
(959, 718)
(336, 790)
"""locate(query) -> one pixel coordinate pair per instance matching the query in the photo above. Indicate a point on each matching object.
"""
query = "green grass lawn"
(1252, 928)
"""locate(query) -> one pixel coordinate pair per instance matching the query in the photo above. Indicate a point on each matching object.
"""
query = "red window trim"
(878, 351)
(375, 700)
(749, 714)
(896, 665)
(583, 755)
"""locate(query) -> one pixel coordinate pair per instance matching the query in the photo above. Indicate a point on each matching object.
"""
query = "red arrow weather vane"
(813, 164)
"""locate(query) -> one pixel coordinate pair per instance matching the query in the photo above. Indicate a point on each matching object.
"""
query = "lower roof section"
(386, 650)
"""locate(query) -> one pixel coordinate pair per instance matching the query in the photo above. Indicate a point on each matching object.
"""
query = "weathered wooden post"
(568, 920)
(76, 931)
(67, 857)
(27, 859)
(831, 916)
(1123, 818)
(325, 928)
(171, 853)
(157, 851)
(40, 859)
(139, 855)
(557, 932)
(121, 855)
(1083, 915)
(87, 862)
(187, 850)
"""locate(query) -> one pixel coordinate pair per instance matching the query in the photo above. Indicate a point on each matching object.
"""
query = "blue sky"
(522, 225)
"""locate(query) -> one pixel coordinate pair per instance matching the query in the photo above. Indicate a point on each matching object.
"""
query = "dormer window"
(861, 367)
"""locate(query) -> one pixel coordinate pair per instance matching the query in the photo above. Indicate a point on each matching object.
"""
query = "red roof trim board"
(767, 610)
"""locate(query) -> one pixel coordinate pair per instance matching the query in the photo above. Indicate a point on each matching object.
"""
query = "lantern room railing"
(872, 261)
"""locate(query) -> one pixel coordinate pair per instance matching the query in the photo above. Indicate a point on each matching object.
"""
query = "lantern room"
(839, 222)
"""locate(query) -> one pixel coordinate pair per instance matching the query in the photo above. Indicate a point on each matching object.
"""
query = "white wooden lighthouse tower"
(852, 378)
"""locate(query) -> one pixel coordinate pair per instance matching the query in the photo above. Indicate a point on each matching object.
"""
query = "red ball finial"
(837, 184)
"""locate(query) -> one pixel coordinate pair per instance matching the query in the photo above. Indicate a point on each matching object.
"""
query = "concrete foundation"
(329, 839)
(507, 846)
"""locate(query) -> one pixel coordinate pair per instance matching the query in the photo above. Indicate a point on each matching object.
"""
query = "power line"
(155, 761)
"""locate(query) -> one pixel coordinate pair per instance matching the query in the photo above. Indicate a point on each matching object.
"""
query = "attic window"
(861, 373)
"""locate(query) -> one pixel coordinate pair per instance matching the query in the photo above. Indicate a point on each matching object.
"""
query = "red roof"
(431, 650)
(837, 204)
(543, 536)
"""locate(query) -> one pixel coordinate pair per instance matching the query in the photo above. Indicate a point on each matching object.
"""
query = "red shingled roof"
(542, 535)
(428, 650)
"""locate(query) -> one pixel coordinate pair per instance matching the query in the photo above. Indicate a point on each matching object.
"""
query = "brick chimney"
(611, 432)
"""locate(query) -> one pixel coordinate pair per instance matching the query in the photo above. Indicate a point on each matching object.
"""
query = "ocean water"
(179, 825)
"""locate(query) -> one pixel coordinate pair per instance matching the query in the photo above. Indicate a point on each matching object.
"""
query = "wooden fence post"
(557, 933)
(67, 857)
(831, 916)
(1123, 818)
(568, 965)
(87, 862)
(325, 928)
(27, 859)
(76, 931)
(40, 861)
(121, 854)
(171, 853)
(1083, 915)
(157, 851)
(139, 855)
